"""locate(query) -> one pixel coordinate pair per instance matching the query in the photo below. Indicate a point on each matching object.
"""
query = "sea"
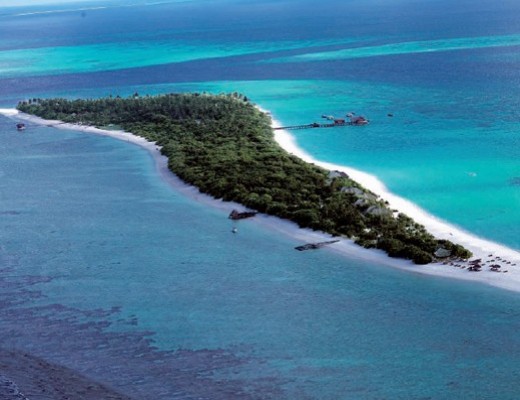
(108, 270)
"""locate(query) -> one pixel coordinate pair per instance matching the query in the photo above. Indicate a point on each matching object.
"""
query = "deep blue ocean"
(108, 270)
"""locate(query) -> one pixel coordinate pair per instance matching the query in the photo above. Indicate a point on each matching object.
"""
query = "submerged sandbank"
(484, 249)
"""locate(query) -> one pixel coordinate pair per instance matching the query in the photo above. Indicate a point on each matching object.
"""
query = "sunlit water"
(100, 256)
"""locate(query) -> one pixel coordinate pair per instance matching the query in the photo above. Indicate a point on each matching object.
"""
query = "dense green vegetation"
(224, 146)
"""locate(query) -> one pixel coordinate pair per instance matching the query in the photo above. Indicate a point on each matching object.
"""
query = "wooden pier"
(311, 126)
(355, 122)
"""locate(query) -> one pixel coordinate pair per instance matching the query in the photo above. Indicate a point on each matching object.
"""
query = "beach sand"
(488, 251)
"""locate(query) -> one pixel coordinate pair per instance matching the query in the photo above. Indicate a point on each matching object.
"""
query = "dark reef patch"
(124, 362)
(515, 181)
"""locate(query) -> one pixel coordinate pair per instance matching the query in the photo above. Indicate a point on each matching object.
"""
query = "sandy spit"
(481, 248)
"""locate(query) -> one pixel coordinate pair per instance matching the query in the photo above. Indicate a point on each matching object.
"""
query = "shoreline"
(481, 248)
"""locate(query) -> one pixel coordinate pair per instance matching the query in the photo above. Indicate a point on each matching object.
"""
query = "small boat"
(315, 246)
(20, 127)
(241, 215)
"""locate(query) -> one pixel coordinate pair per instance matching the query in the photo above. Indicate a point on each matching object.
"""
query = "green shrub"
(224, 146)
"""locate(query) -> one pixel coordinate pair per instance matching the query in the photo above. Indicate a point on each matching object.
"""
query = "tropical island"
(223, 145)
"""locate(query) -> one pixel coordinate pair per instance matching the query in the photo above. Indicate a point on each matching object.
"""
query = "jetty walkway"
(315, 125)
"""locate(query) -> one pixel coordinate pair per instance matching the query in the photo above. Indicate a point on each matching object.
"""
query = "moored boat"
(241, 215)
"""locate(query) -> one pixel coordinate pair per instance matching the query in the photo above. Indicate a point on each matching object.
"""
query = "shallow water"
(110, 271)
(96, 230)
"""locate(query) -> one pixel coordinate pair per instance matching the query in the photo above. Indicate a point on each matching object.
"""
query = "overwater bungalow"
(358, 120)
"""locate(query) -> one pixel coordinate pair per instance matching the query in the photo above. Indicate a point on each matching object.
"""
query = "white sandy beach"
(481, 248)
